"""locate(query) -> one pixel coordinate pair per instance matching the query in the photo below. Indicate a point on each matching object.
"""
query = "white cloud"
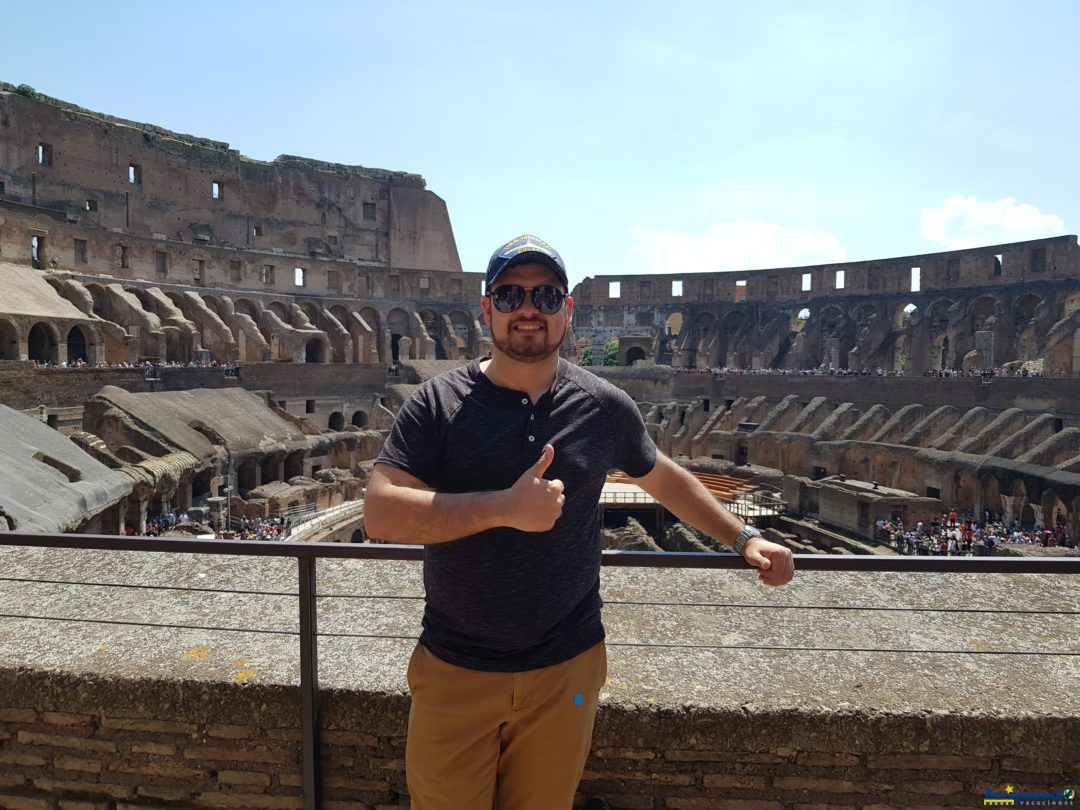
(963, 222)
(733, 245)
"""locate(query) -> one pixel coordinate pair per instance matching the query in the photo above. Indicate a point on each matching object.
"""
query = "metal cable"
(630, 644)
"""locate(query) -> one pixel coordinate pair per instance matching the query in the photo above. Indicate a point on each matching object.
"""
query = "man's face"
(525, 334)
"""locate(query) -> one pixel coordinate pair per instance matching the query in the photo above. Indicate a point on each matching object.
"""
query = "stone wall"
(979, 308)
(111, 173)
(23, 388)
(848, 689)
(1012, 263)
(164, 259)
(150, 743)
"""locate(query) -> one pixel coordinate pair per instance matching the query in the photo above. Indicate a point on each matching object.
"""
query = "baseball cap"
(524, 249)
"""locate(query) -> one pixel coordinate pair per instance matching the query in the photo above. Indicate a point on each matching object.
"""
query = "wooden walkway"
(724, 487)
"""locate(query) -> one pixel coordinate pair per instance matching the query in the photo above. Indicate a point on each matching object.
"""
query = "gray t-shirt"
(506, 600)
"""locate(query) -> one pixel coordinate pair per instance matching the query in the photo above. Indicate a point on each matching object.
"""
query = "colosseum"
(184, 329)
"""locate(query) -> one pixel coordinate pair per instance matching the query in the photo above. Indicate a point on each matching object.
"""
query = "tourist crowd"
(157, 525)
(828, 371)
(275, 528)
(261, 529)
(146, 365)
(956, 534)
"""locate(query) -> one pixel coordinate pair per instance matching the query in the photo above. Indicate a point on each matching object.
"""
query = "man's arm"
(686, 498)
(402, 508)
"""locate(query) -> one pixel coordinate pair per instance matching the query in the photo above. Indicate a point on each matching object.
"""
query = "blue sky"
(635, 137)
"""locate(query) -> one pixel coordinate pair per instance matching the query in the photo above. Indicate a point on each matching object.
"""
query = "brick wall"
(22, 387)
(311, 380)
(69, 743)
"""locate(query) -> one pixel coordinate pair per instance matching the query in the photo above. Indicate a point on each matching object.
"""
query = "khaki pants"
(519, 737)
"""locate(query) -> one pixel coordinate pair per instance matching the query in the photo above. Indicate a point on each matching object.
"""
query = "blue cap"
(521, 250)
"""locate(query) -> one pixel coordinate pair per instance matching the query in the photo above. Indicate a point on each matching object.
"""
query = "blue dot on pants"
(578, 700)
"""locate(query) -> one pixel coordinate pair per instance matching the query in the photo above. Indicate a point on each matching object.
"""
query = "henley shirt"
(505, 600)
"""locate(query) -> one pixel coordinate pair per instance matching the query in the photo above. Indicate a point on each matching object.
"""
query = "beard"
(532, 347)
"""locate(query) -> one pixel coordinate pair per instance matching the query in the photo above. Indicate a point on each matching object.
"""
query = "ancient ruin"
(989, 307)
(153, 262)
(183, 328)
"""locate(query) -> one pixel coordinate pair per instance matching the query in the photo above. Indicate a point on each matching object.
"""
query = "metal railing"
(307, 554)
(350, 510)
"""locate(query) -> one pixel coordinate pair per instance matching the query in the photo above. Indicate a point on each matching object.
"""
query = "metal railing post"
(309, 684)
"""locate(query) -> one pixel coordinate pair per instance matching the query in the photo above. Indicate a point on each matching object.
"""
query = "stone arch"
(903, 314)
(247, 475)
(1026, 332)
(200, 483)
(703, 322)
(697, 342)
(342, 314)
(837, 336)
(359, 419)
(215, 304)
(294, 464)
(633, 354)
(279, 309)
(965, 490)
(462, 324)
(42, 343)
(430, 319)
(941, 352)
(397, 322)
(1055, 513)
(728, 353)
(268, 468)
(982, 310)
(142, 295)
(371, 317)
(243, 306)
(864, 313)
(673, 323)
(336, 421)
(79, 345)
(315, 350)
(1024, 309)
(9, 340)
(100, 299)
(309, 309)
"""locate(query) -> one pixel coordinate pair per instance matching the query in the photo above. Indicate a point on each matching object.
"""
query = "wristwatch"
(740, 541)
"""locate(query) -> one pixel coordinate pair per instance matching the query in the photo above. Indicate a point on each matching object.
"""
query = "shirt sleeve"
(635, 451)
(413, 444)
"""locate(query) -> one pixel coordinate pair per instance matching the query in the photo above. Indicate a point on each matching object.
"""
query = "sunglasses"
(509, 297)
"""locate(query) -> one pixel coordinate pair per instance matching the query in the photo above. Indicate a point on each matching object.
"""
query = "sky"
(634, 137)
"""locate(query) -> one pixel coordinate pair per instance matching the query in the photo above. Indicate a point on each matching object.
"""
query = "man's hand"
(774, 562)
(533, 504)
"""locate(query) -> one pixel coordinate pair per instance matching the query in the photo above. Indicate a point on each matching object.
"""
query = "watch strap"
(744, 537)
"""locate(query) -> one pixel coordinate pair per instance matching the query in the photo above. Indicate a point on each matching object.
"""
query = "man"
(497, 467)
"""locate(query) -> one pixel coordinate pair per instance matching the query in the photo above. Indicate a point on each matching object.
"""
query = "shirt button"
(532, 416)
(532, 438)
(524, 400)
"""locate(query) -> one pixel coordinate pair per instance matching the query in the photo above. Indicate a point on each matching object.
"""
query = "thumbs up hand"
(534, 503)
